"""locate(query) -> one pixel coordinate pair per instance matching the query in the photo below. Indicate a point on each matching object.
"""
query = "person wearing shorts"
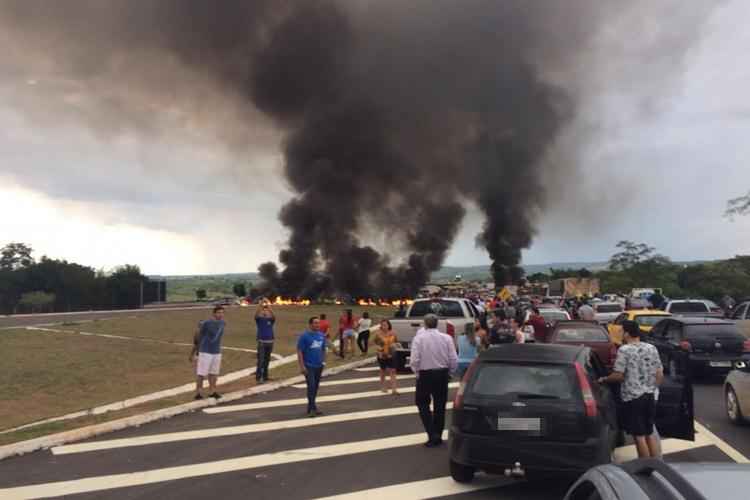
(639, 370)
(385, 340)
(209, 353)
(346, 332)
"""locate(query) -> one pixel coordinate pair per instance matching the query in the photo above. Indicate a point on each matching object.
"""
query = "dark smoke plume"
(394, 113)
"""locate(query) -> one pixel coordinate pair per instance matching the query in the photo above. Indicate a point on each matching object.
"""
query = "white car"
(737, 393)
(606, 312)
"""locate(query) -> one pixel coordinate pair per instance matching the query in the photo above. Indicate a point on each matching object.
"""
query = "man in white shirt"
(433, 358)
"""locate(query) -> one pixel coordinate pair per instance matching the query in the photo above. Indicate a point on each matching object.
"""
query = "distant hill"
(217, 285)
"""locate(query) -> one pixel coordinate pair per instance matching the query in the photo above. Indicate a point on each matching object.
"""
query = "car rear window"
(711, 330)
(649, 320)
(553, 315)
(609, 308)
(502, 379)
(688, 307)
(443, 308)
(581, 335)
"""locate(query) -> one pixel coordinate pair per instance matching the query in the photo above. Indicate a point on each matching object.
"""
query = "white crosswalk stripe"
(140, 478)
(418, 490)
(368, 369)
(381, 406)
(351, 381)
(303, 401)
(234, 430)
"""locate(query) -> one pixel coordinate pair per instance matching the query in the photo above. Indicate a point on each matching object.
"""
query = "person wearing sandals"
(386, 341)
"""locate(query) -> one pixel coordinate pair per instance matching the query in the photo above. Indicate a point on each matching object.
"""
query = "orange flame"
(287, 302)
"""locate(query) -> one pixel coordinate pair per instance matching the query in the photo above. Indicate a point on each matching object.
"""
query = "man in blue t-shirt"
(209, 352)
(264, 321)
(311, 355)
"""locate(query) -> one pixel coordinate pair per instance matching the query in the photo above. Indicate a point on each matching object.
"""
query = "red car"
(586, 333)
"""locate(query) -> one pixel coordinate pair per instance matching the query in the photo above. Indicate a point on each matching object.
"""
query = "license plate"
(720, 364)
(519, 424)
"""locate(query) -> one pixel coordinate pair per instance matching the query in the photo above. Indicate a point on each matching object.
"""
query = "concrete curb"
(154, 396)
(61, 438)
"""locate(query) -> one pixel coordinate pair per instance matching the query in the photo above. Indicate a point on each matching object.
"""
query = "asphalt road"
(21, 320)
(366, 446)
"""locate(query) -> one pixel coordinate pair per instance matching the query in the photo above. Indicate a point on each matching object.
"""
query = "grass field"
(48, 374)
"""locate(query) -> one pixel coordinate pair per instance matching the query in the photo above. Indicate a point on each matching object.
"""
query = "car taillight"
(685, 346)
(746, 346)
(589, 403)
(458, 401)
(450, 329)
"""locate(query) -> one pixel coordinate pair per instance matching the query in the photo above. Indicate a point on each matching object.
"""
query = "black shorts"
(385, 363)
(639, 414)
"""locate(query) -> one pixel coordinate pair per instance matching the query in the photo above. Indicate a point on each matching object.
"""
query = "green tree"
(37, 301)
(538, 277)
(630, 254)
(738, 206)
(239, 289)
(200, 294)
(15, 256)
(124, 286)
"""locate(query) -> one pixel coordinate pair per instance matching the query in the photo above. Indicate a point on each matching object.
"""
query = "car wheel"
(734, 413)
(461, 473)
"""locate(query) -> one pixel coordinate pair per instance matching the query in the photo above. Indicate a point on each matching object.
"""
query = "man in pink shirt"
(433, 358)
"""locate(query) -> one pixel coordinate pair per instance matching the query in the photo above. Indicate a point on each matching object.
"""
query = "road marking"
(172, 437)
(303, 401)
(137, 339)
(113, 481)
(721, 444)
(350, 381)
(703, 438)
(430, 488)
(368, 369)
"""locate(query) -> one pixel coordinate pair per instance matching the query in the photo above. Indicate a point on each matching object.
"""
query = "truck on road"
(574, 287)
(455, 315)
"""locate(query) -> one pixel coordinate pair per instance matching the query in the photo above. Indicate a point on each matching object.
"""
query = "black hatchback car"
(693, 346)
(527, 410)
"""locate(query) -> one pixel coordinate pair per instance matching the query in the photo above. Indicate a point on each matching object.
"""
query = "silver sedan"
(737, 393)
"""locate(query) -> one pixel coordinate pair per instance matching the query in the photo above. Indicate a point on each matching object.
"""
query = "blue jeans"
(313, 382)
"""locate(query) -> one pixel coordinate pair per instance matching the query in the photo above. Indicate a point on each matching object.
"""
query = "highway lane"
(22, 320)
(364, 447)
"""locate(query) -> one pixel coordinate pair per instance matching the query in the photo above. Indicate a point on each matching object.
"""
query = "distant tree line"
(636, 265)
(52, 285)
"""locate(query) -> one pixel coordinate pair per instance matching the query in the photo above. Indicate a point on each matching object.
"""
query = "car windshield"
(443, 308)
(609, 308)
(581, 335)
(688, 307)
(711, 330)
(553, 315)
(649, 320)
(502, 379)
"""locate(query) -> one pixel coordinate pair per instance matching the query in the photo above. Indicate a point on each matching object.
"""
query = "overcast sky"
(180, 204)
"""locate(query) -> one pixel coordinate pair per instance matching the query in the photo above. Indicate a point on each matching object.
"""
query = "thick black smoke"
(395, 114)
